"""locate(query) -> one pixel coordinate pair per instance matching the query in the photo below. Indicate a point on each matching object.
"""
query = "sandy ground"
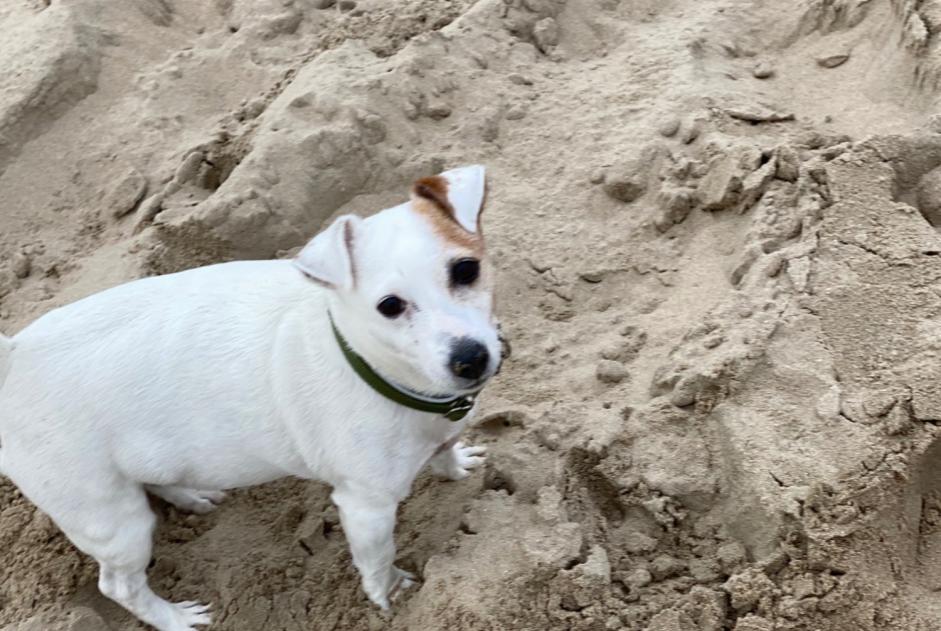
(712, 222)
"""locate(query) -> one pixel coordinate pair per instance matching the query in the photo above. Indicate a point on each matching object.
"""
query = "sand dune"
(713, 226)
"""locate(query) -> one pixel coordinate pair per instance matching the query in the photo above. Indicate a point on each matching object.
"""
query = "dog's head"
(410, 287)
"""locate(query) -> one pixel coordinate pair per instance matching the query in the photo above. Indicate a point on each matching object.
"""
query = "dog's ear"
(459, 192)
(328, 257)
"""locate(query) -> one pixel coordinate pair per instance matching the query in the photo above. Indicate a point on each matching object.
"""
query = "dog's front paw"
(403, 581)
(463, 460)
(191, 614)
(383, 595)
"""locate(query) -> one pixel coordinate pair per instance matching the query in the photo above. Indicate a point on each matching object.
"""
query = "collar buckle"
(460, 407)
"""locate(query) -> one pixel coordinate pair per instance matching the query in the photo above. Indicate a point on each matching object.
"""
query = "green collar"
(452, 408)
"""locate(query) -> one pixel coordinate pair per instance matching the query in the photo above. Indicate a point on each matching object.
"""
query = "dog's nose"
(469, 359)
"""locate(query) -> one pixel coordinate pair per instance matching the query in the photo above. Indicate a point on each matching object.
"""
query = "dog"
(356, 364)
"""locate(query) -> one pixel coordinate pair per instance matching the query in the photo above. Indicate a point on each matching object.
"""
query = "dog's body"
(231, 375)
(199, 380)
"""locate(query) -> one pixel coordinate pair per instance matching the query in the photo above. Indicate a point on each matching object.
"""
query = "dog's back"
(158, 375)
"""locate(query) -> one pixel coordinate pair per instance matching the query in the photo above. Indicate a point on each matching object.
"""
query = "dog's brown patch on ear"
(446, 227)
(430, 199)
(348, 242)
(434, 189)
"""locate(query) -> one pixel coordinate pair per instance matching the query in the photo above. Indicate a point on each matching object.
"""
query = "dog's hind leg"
(109, 518)
(124, 556)
(189, 500)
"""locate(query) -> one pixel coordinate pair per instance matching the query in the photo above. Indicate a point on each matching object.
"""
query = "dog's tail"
(6, 352)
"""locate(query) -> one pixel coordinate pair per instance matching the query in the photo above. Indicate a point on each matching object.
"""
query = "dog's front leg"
(369, 523)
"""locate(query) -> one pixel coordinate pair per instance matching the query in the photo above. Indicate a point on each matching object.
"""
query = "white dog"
(355, 364)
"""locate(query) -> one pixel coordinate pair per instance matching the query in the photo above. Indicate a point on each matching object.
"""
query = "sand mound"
(713, 224)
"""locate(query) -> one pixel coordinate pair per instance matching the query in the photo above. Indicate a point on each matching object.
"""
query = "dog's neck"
(454, 407)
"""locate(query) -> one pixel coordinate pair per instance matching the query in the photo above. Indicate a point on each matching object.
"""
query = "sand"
(713, 227)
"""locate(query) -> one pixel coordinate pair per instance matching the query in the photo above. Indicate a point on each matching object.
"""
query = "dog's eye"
(391, 306)
(465, 272)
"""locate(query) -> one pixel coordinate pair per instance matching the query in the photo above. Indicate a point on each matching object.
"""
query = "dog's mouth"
(506, 349)
(470, 386)
(464, 386)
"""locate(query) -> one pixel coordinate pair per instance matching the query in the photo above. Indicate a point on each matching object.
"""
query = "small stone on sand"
(832, 61)
(610, 371)
(763, 70)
